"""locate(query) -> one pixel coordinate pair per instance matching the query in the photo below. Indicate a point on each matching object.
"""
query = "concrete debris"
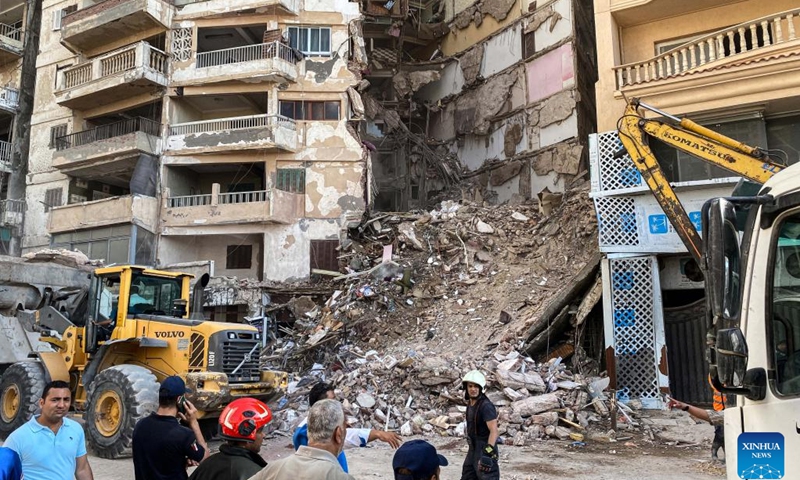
(406, 82)
(409, 315)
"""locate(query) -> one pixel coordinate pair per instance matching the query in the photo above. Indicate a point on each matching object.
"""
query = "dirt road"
(548, 460)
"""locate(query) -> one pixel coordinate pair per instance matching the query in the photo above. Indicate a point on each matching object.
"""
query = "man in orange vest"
(719, 430)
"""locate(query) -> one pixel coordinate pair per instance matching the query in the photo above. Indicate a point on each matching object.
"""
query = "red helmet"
(243, 418)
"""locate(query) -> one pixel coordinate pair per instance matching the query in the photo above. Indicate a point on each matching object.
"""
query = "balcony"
(749, 51)
(109, 152)
(188, 9)
(255, 132)
(137, 209)
(265, 62)
(121, 74)
(11, 212)
(5, 156)
(112, 21)
(9, 100)
(10, 43)
(210, 213)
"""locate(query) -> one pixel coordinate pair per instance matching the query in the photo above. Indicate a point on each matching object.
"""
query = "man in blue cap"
(417, 460)
(162, 447)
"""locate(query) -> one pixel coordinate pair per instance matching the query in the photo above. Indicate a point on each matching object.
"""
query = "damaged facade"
(12, 19)
(221, 130)
(708, 60)
(497, 91)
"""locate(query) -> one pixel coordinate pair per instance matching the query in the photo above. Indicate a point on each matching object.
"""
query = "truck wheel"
(20, 391)
(118, 397)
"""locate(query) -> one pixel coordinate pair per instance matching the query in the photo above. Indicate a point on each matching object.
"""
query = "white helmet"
(475, 377)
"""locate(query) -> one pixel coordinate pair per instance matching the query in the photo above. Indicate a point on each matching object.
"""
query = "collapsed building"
(501, 92)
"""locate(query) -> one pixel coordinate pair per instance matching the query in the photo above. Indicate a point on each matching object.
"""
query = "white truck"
(753, 291)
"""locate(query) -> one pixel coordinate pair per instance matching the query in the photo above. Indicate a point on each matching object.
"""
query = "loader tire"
(20, 390)
(118, 397)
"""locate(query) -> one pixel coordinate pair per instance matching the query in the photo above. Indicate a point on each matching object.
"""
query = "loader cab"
(119, 293)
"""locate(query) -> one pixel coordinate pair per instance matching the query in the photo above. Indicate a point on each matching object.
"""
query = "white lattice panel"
(617, 223)
(609, 173)
(181, 44)
(634, 319)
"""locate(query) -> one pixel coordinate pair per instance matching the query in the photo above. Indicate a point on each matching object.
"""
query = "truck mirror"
(731, 358)
(722, 259)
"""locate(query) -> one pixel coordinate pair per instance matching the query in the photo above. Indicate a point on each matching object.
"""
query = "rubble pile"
(427, 276)
(421, 394)
(428, 296)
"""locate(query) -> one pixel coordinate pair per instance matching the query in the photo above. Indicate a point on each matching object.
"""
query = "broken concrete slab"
(506, 172)
(470, 63)
(436, 371)
(406, 83)
(498, 9)
(530, 381)
(537, 404)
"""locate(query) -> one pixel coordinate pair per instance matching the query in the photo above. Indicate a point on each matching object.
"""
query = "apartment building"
(729, 65)
(168, 132)
(500, 92)
(12, 17)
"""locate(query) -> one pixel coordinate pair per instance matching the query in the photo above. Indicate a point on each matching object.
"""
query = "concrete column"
(214, 193)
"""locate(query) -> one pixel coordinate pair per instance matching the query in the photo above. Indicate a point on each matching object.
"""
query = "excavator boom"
(687, 136)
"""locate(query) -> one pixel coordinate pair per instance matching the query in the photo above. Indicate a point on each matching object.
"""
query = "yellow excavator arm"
(685, 135)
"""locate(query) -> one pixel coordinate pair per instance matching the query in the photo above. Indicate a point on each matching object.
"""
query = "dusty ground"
(633, 459)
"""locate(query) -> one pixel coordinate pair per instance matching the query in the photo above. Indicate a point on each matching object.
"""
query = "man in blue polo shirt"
(51, 446)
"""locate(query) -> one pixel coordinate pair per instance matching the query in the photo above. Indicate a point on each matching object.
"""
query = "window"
(300, 110)
(325, 255)
(58, 15)
(785, 324)
(311, 40)
(52, 198)
(239, 257)
(56, 132)
(291, 180)
(528, 45)
(111, 244)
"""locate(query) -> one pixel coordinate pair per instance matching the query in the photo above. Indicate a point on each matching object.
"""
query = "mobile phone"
(182, 404)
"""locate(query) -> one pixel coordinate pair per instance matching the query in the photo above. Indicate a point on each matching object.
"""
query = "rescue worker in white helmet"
(242, 425)
(481, 461)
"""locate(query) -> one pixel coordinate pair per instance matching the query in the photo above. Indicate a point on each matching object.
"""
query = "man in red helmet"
(242, 426)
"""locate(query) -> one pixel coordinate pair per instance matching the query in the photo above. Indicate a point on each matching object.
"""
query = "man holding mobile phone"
(162, 447)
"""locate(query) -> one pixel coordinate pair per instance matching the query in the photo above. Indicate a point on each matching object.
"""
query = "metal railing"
(9, 98)
(249, 53)
(11, 212)
(10, 32)
(243, 197)
(232, 123)
(117, 61)
(5, 152)
(104, 132)
(729, 42)
(189, 201)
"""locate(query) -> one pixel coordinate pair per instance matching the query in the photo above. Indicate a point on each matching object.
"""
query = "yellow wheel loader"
(133, 330)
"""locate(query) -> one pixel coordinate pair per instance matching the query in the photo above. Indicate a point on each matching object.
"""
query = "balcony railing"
(222, 199)
(121, 60)
(9, 98)
(104, 132)
(243, 197)
(5, 152)
(233, 123)
(189, 201)
(250, 53)
(11, 212)
(730, 42)
(10, 32)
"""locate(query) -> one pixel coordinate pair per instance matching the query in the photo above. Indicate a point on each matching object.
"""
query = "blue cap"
(173, 386)
(419, 457)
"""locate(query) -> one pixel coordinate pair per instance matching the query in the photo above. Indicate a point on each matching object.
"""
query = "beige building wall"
(631, 32)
